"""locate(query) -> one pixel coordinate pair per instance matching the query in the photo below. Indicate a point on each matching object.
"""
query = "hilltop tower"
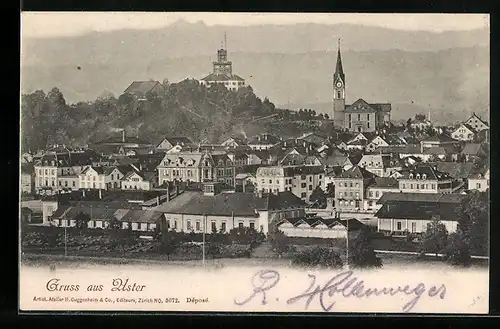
(338, 93)
(222, 65)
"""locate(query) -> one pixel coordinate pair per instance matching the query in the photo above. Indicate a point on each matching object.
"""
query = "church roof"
(222, 77)
(361, 106)
(339, 71)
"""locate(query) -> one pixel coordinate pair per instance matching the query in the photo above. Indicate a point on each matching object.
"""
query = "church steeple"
(339, 71)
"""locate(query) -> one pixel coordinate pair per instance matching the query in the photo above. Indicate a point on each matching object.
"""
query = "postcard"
(254, 162)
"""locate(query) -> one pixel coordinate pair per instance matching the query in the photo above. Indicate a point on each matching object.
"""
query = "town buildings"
(479, 179)
(350, 187)
(223, 73)
(425, 179)
(220, 210)
(196, 167)
(300, 180)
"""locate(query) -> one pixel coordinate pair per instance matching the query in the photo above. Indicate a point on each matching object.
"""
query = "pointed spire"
(225, 40)
(339, 71)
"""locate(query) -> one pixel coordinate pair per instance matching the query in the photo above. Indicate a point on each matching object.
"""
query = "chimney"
(123, 136)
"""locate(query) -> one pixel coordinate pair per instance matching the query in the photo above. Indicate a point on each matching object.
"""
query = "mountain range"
(446, 73)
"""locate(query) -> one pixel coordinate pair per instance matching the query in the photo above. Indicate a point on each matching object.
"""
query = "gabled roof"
(334, 160)
(384, 182)
(142, 87)
(421, 197)
(356, 172)
(406, 149)
(181, 140)
(475, 116)
(68, 159)
(479, 172)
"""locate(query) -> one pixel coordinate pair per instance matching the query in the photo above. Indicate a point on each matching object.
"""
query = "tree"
(82, 220)
(419, 117)
(326, 116)
(457, 252)
(473, 219)
(169, 242)
(330, 190)
(280, 242)
(318, 257)
(318, 197)
(361, 252)
(214, 249)
(435, 238)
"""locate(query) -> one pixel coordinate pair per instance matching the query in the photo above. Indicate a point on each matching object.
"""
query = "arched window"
(418, 176)
(411, 176)
(424, 176)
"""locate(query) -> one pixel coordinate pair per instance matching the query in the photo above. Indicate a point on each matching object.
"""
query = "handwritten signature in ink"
(344, 284)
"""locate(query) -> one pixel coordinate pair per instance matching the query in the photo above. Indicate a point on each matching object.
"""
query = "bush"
(361, 252)
(457, 252)
(280, 243)
(318, 257)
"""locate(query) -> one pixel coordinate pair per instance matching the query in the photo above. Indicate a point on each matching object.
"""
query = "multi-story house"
(425, 179)
(139, 180)
(464, 132)
(350, 188)
(300, 180)
(477, 123)
(53, 169)
(196, 167)
(479, 179)
(215, 209)
(437, 141)
(382, 165)
(103, 178)
(403, 213)
(376, 189)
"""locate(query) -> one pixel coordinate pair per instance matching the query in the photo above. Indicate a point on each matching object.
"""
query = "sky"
(47, 24)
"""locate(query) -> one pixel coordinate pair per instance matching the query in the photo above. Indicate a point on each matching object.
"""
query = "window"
(349, 120)
(368, 119)
(310, 187)
(214, 226)
(433, 186)
(357, 195)
(59, 183)
(370, 203)
(175, 224)
(357, 203)
(252, 225)
(350, 126)
(371, 194)
(411, 186)
(357, 184)
(46, 172)
(303, 177)
(320, 176)
(350, 184)
(223, 227)
(303, 185)
(188, 225)
(413, 227)
(338, 94)
(302, 195)
(350, 194)
(139, 226)
(404, 186)
(398, 225)
(478, 185)
(66, 183)
(376, 194)
(198, 226)
(270, 181)
(340, 194)
(240, 225)
(359, 117)
(368, 125)
(417, 186)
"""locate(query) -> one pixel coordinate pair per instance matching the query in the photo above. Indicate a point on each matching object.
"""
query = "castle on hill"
(360, 116)
(223, 72)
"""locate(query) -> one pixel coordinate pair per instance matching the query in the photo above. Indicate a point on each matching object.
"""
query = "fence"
(416, 253)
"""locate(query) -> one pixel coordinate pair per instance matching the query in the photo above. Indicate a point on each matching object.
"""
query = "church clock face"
(339, 84)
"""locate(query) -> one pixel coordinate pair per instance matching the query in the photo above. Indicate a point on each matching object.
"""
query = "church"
(360, 116)
(223, 72)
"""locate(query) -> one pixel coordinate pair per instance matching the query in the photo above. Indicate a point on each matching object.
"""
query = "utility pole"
(65, 237)
(347, 242)
(203, 246)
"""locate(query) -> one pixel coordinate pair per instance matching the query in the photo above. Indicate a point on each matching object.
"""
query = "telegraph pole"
(203, 247)
(65, 237)
(347, 242)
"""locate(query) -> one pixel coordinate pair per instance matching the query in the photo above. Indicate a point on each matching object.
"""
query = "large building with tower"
(360, 116)
(223, 72)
